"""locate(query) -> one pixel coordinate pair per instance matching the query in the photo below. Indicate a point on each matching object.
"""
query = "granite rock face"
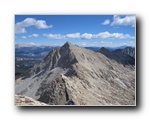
(72, 75)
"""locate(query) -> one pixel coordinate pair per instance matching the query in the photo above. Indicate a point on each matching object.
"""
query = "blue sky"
(83, 30)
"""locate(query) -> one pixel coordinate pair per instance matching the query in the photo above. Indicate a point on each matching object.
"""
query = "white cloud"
(73, 36)
(106, 22)
(102, 35)
(124, 43)
(54, 36)
(39, 24)
(107, 35)
(86, 36)
(131, 42)
(32, 43)
(128, 43)
(34, 35)
(24, 37)
(124, 21)
(26, 23)
(19, 30)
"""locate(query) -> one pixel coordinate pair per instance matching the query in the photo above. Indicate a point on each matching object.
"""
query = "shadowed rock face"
(119, 56)
(72, 75)
(128, 51)
(55, 92)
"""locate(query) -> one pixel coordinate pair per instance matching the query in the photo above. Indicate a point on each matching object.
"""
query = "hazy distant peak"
(103, 48)
(27, 45)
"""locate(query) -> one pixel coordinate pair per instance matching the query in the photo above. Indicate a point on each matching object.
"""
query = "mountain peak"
(103, 49)
(67, 44)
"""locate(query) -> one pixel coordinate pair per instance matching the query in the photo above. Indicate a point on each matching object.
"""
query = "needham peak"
(72, 75)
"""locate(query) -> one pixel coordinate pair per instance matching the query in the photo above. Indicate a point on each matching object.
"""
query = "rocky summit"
(72, 75)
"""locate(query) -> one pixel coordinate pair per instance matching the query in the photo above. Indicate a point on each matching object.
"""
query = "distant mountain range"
(17, 45)
(29, 50)
(72, 75)
(109, 48)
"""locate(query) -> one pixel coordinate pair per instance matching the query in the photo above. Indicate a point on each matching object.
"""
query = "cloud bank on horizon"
(84, 30)
(87, 36)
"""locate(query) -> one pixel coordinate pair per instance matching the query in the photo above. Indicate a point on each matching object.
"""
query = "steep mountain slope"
(72, 75)
(128, 51)
(119, 57)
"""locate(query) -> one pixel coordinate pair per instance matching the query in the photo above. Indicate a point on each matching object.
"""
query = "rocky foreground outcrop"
(72, 75)
(21, 100)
